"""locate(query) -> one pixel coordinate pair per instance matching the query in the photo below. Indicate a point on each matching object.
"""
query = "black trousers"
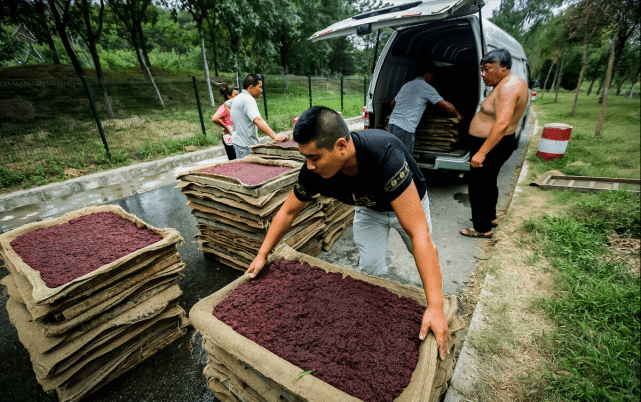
(482, 182)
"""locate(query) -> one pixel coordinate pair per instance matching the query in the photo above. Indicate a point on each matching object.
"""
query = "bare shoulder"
(513, 86)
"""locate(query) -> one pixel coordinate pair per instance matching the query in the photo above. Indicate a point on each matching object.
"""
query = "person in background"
(410, 103)
(223, 119)
(492, 138)
(246, 117)
(373, 170)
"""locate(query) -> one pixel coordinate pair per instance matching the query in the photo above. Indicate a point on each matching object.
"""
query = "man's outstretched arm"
(411, 216)
(277, 229)
(449, 108)
(264, 127)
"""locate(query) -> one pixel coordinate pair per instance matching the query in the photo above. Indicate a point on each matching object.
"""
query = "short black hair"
(321, 125)
(227, 90)
(251, 79)
(424, 66)
(501, 56)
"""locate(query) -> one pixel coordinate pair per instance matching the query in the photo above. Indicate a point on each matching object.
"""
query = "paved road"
(175, 373)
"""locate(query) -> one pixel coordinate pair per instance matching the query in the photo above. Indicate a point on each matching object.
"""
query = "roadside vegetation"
(49, 133)
(563, 304)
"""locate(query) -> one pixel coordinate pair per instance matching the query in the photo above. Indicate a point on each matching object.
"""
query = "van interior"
(452, 46)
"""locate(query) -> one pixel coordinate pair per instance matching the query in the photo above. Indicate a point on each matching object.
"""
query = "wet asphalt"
(175, 373)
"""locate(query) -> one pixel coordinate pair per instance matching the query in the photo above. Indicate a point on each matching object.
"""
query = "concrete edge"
(465, 371)
(463, 379)
(123, 174)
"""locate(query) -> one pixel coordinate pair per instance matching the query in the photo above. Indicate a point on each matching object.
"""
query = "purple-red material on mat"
(64, 252)
(358, 337)
(247, 173)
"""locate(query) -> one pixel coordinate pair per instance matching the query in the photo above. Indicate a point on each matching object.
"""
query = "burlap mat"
(42, 294)
(281, 372)
(232, 184)
(215, 193)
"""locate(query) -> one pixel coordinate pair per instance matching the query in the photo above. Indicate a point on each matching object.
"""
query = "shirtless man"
(492, 138)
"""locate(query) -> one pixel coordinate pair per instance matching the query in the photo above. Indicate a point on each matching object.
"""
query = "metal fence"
(51, 129)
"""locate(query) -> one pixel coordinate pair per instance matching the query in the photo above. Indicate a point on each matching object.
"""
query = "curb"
(127, 174)
(465, 371)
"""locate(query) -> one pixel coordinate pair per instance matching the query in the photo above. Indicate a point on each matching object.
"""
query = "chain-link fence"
(55, 129)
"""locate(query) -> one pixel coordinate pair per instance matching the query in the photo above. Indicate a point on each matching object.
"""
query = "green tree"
(584, 21)
(131, 14)
(62, 16)
(625, 19)
(199, 10)
(524, 19)
(33, 15)
(89, 27)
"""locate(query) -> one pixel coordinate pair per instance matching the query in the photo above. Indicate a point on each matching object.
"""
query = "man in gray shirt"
(246, 117)
(410, 103)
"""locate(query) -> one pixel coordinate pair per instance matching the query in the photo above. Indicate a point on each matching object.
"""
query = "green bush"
(10, 177)
(597, 304)
(611, 211)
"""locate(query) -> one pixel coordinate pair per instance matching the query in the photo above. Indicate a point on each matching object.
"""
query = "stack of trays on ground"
(278, 150)
(437, 134)
(92, 294)
(327, 334)
(234, 203)
(338, 218)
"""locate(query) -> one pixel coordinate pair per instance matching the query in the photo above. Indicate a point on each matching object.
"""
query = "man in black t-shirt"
(373, 170)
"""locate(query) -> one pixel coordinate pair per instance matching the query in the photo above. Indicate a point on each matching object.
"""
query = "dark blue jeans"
(482, 182)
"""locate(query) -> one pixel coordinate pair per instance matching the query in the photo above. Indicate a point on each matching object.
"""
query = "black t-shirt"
(385, 170)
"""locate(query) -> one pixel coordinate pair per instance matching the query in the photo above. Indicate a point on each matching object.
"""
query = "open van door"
(399, 16)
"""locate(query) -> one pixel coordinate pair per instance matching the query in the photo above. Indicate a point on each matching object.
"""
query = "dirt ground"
(512, 346)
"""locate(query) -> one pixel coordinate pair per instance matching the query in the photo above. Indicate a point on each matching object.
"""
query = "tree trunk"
(558, 81)
(556, 75)
(202, 46)
(52, 47)
(213, 42)
(141, 41)
(583, 67)
(598, 90)
(148, 75)
(284, 50)
(634, 82)
(40, 9)
(60, 27)
(606, 85)
(101, 78)
(591, 85)
(545, 84)
(212, 31)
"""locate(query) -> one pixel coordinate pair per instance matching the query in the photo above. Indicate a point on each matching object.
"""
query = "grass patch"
(614, 154)
(67, 136)
(567, 265)
(597, 308)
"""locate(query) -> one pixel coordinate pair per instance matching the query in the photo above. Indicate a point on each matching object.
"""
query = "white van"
(451, 34)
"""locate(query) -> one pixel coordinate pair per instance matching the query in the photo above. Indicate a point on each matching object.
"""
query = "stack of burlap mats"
(278, 150)
(233, 217)
(86, 332)
(435, 134)
(239, 369)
